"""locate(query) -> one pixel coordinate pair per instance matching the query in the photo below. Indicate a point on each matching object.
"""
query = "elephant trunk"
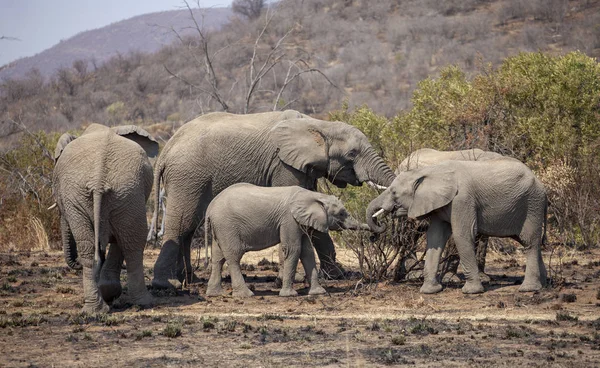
(375, 208)
(372, 168)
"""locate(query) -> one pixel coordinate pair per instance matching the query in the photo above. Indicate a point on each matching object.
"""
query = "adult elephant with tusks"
(217, 150)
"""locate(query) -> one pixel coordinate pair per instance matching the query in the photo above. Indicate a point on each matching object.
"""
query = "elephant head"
(132, 132)
(334, 150)
(414, 194)
(322, 212)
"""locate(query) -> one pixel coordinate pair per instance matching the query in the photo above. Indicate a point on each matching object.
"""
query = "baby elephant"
(245, 217)
(500, 198)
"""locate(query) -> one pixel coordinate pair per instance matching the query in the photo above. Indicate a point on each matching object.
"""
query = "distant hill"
(144, 33)
(315, 55)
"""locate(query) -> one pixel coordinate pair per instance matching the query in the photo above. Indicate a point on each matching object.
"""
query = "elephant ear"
(61, 144)
(309, 211)
(301, 144)
(139, 136)
(434, 188)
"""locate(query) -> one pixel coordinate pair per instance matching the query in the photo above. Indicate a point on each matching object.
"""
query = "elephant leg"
(83, 233)
(69, 245)
(214, 283)
(437, 235)
(307, 255)
(130, 228)
(326, 252)
(292, 249)
(535, 270)
(174, 261)
(238, 284)
(110, 276)
(298, 277)
(481, 245)
(464, 229)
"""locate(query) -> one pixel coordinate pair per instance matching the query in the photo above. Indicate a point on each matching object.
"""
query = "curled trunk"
(374, 207)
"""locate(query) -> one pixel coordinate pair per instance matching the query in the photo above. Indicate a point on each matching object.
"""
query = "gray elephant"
(429, 156)
(217, 150)
(501, 198)
(426, 157)
(246, 217)
(101, 182)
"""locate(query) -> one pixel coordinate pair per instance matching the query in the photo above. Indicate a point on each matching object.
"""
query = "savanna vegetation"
(409, 75)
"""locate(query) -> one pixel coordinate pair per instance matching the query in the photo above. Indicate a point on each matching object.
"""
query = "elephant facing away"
(101, 182)
(426, 157)
(500, 198)
(246, 217)
(217, 150)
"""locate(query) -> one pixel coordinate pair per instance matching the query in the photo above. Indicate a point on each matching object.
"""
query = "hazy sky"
(40, 24)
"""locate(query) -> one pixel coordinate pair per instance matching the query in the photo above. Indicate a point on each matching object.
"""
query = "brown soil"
(356, 325)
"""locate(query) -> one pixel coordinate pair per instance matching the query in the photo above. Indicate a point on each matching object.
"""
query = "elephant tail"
(98, 251)
(160, 167)
(544, 237)
(207, 232)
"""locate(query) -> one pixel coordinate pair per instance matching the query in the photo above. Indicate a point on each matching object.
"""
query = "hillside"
(145, 33)
(313, 55)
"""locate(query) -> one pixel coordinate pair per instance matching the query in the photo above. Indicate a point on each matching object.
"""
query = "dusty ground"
(355, 325)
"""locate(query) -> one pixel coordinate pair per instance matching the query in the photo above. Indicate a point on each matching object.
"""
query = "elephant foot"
(145, 301)
(94, 308)
(166, 284)
(299, 278)
(473, 287)
(430, 288)
(242, 293)
(214, 290)
(315, 290)
(288, 292)
(484, 277)
(530, 286)
(110, 290)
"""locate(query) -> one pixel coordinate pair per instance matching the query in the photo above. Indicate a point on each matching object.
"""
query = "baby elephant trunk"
(373, 211)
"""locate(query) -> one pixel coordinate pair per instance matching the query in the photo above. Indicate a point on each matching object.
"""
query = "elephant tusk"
(52, 207)
(378, 213)
(376, 186)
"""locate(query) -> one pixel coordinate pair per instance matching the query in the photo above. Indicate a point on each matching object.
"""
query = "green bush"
(541, 109)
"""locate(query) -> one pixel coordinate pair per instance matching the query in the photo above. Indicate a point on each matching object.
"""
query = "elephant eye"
(352, 153)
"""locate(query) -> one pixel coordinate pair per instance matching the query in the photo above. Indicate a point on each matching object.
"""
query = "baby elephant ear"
(434, 188)
(309, 211)
(62, 143)
(139, 136)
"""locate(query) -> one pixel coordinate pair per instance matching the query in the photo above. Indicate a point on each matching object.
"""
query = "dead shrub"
(26, 193)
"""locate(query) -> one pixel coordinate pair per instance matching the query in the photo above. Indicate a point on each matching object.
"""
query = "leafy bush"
(541, 109)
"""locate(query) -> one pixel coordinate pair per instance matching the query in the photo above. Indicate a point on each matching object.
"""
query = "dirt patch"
(356, 324)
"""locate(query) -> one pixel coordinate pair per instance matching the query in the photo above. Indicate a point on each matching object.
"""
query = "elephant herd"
(251, 179)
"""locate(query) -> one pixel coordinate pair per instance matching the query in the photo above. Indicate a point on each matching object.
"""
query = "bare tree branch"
(8, 38)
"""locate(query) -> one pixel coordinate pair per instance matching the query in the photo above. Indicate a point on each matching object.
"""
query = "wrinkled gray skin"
(500, 198)
(217, 150)
(246, 217)
(101, 182)
(427, 156)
